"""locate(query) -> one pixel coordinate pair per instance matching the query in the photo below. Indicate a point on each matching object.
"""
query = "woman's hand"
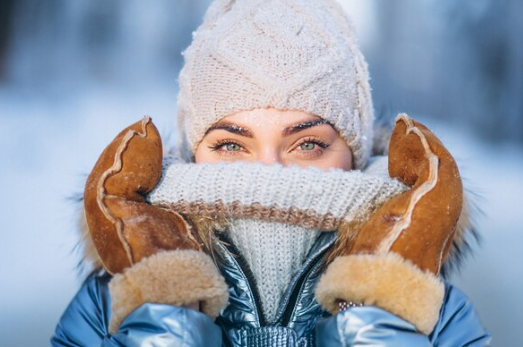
(395, 259)
(419, 224)
(151, 250)
(124, 228)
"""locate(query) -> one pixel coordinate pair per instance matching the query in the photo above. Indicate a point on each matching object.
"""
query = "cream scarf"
(274, 213)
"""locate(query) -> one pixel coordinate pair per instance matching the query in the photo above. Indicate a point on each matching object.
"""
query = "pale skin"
(271, 136)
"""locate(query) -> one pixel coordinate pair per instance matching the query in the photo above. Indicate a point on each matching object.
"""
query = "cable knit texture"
(309, 197)
(274, 213)
(286, 54)
(274, 252)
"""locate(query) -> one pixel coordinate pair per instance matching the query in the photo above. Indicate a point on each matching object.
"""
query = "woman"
(277, 187)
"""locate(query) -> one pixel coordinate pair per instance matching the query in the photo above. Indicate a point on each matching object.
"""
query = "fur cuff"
(387, 281)
(177, 277)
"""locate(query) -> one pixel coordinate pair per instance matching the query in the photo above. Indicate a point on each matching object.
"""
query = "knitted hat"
(285, 54)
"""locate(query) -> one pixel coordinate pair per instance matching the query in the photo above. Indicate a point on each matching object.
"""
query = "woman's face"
(272, 136)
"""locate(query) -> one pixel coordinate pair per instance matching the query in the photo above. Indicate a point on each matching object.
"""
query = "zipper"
(292, 294)
(295, 288)
(240, 262)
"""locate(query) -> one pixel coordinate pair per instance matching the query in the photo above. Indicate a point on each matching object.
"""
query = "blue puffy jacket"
(299, 322)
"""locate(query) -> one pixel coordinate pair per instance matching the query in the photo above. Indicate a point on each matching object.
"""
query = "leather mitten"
(394, 260)
(152, 252)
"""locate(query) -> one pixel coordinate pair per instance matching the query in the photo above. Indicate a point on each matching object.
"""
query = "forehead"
(268, 117)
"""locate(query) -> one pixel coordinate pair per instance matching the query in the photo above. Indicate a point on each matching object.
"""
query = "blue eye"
(308, 146)
(232, 147)
(227, 146)
(311, 147)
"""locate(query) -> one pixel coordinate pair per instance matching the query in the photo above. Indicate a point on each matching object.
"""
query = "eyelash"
(219, 144)
(216, 146)
(315, 140)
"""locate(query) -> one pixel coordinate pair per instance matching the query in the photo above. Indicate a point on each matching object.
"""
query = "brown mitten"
(394, 261)
(151, 251)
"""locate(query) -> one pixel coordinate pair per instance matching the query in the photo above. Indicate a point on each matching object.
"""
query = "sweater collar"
(310, 197)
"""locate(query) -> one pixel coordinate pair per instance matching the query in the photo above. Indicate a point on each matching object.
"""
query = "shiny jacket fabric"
(300, 321)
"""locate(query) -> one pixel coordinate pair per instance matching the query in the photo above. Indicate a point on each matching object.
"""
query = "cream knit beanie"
(285, 54)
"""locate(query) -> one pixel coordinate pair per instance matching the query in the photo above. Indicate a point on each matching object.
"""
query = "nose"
(269, 157)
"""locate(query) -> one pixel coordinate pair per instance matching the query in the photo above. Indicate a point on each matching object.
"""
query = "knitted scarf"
(274, 213)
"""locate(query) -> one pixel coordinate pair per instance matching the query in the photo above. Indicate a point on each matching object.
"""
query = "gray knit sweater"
(274, 213)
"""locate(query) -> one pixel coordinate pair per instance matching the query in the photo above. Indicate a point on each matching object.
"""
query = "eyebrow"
(290, 130)
(230, 127)
(293, 129)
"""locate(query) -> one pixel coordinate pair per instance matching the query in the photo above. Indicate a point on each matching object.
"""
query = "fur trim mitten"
(394, 261)
(151, 251)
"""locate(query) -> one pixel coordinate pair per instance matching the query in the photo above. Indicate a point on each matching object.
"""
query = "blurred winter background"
(74, 73)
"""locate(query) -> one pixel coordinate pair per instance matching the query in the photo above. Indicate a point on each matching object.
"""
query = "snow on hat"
(285, 54)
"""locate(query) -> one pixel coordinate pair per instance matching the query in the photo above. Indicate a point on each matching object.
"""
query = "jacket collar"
(244, 304)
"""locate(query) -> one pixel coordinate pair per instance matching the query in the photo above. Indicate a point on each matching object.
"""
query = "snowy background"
(73, 74)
